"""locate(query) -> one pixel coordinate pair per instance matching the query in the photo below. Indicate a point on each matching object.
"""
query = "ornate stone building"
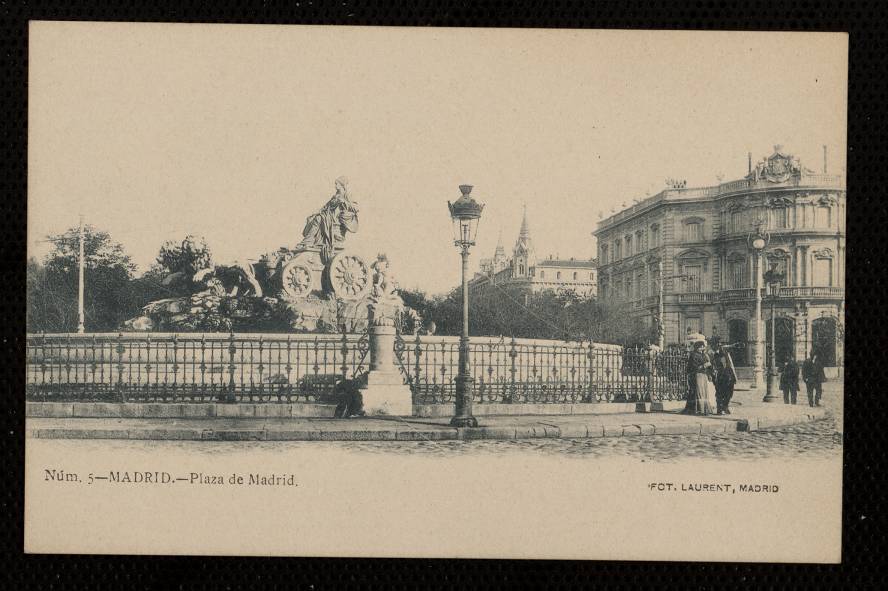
(523, 269)
(700, 237)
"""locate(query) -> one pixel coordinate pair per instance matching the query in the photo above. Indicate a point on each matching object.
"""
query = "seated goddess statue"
(325, 230)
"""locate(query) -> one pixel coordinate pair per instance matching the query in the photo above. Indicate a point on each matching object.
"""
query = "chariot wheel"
(297, 280)
(349, 276)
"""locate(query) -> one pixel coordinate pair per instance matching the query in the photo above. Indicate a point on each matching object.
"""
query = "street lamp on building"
(757, 243)
(465, 213)
(772, 280)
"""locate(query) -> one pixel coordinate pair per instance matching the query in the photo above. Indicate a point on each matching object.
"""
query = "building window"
(780, 216)
(694, 325)
(575, 276)
(558, 275)
(655, 236)
(628, 246)
(823, 272)
(639, 241)
(592, 276)
(618, 250)
(693, 232)
(738, 274)
(640, 286)
(542, 274)
(629, 287)
(737, 221)
(694, 276)
(604, 254)
(822, 216)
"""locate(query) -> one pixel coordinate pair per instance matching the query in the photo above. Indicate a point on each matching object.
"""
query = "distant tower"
(499, 256)
(523, 254)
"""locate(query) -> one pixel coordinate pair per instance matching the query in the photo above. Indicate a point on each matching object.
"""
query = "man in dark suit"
(725, 376)
(814, 376)
(789, 381)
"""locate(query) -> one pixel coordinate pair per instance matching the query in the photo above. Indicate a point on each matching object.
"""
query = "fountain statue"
(317, 286)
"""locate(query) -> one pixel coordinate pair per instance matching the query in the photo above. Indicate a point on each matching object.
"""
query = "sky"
(236, 133)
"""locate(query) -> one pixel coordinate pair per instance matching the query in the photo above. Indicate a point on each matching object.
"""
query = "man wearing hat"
(725, 376)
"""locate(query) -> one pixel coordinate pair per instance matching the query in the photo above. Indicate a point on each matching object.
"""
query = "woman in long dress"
(701, 396)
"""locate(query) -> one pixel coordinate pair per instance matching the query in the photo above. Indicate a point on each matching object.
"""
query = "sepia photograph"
(431, 292)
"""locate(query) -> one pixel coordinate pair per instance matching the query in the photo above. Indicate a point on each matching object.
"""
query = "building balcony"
(813, 292)
(698, 297)
(741, 295)
(732, 295)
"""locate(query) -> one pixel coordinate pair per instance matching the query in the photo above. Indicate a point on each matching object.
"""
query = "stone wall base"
(491, 409)
(172, 410)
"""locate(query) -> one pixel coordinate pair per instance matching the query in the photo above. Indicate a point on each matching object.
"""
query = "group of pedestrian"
(711, 377)
(813, 375)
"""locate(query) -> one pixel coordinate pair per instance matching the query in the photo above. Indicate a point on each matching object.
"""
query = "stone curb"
(398, 432)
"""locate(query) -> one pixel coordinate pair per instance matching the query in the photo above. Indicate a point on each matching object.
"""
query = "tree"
(52, 286)
(179, 261)
(512, 311)
(190, 255)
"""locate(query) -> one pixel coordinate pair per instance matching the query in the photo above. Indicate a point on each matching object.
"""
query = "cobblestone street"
(816, 439)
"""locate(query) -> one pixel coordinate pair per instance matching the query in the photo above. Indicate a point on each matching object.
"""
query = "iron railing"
(538, 371)
(307, 368)
(191, 367)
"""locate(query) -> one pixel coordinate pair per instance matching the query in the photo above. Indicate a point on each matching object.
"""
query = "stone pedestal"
(385, 392)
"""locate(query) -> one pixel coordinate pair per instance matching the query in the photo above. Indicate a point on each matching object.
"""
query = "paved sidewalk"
(748, 415)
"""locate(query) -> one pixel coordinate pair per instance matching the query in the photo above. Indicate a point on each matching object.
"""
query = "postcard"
(427, 292)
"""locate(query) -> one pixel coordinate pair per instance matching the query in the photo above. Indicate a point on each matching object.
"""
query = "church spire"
(525, 231)
(523, 251)
(499, 255)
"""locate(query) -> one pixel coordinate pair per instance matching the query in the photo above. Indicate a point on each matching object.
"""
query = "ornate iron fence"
(307, 368)
(537, 371)
(191, 367)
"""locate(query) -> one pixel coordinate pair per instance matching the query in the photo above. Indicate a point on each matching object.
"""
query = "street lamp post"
(81, 328)
(772, 280)
(757, 242)
(465, 213)
(661, 280)
(661, 330)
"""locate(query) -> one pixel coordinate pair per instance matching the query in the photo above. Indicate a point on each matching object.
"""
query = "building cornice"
(713, 194)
